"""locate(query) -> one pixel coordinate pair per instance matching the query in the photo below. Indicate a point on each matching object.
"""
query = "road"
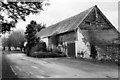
(59, 68)
(0, 61)
(18, 65)
(7, 70)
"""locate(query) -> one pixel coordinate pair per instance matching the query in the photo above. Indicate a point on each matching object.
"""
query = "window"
(87, 23)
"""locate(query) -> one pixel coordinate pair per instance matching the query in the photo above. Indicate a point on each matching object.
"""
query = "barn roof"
(66, 25)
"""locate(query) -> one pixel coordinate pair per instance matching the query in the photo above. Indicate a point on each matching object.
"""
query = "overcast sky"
(62, 9)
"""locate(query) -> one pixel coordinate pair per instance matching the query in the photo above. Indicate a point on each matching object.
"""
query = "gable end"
(95, 20)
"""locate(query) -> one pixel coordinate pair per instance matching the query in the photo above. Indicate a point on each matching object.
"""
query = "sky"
(62, 9)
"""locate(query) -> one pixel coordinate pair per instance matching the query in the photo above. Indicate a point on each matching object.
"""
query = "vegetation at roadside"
(42, 54)
(35, 46)
(16, 39)
(31, 39)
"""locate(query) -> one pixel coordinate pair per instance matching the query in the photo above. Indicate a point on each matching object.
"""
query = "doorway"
(71, 49)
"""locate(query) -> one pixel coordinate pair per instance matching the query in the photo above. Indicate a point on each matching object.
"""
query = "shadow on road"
(7, 71)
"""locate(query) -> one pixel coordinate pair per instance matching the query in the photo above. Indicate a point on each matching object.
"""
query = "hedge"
(46, 55)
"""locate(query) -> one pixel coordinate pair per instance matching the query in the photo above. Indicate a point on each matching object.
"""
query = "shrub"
(47, 55)
(41, 46)
(57, 51)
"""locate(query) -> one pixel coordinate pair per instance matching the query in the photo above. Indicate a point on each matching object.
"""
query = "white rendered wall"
(45, 40)
(81, 46)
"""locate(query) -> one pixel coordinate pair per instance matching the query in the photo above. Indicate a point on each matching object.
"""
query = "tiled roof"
(66, 25)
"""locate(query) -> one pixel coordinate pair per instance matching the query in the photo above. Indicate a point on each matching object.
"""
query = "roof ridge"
(74, 15)
(87, 14)
(67, 24)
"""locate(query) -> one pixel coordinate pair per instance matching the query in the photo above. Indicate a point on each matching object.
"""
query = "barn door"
(71, 49)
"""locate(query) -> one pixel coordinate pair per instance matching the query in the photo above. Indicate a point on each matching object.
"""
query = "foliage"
(4, 42)
(18, 10)
(40, 46)
(32, 40)
(6, 26)
(39, 27)
(15, 39)
(47, 55)
(82, 53)
(18, 37)
(7, 42)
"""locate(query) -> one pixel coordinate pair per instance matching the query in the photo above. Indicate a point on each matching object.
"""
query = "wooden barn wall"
(53, 41)
(95, 21)
(67, 37)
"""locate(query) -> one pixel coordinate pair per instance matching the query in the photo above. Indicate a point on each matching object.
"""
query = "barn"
(81, 33)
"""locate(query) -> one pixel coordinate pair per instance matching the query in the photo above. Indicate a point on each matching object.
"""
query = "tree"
(17, 10)
(18, 39)
(6, 26)
(7, 42)
(15, 39)
(39, 27)
(4, 43)
(32, 40)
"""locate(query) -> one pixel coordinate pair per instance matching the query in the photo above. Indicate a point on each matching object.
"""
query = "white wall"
(81, 46)
(45, 40)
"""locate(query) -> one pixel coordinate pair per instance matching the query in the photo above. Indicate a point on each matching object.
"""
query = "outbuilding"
(80, 33)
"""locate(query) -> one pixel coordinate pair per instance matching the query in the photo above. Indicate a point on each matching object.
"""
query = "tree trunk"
(21, 48)
(27, 51)
(9, 48)
(4, 48)
(24, 49)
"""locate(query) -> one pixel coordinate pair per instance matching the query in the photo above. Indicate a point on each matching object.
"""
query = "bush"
(47, 55)
(41, 46)
(57, 51)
